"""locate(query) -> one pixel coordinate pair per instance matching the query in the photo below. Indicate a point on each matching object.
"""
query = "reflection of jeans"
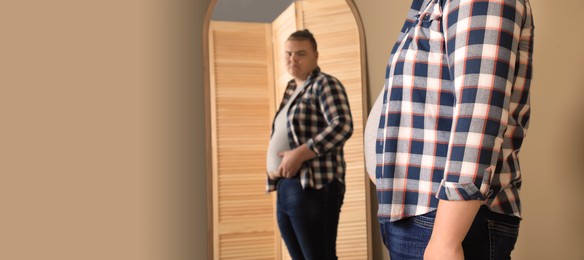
(308, 218)
(492, 236)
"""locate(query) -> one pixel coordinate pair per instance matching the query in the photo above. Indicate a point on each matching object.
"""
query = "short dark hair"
(301, 35)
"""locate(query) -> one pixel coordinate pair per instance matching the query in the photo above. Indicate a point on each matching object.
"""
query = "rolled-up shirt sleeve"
(482, 40)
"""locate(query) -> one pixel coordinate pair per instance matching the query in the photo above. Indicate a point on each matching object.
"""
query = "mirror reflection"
(248, 77)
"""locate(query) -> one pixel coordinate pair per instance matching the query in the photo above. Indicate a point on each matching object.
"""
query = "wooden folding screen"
(241, 86)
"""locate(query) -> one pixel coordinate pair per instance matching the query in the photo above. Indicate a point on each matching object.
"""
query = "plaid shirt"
(456, 107)
(320, 118)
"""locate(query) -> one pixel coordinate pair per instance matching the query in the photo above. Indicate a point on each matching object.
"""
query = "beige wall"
(101, 140)
(173, 134)
(103, 148)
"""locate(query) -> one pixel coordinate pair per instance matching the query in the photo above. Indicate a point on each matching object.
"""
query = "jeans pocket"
(502, 238)
(332, 195)
(425, 221)
(382, 229)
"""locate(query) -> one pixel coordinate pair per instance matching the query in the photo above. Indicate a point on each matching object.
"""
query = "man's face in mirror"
(301, 58)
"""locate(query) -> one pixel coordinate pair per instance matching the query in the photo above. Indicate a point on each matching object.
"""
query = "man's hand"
(292, 160)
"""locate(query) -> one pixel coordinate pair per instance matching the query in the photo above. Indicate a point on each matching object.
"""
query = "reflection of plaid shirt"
(319, 117)
(456, 107)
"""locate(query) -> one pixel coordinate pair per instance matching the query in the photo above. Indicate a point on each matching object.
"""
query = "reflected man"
(305, 162)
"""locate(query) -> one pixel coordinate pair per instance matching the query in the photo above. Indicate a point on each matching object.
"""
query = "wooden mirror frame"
(208, 127)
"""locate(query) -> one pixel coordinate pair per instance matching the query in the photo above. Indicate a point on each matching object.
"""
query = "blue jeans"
(308, 218)
(492, 236)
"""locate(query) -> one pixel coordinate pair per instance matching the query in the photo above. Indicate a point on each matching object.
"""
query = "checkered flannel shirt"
(456, 107)
(319, 117)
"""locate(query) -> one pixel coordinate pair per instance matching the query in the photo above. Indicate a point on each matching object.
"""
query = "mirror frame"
(207, 93)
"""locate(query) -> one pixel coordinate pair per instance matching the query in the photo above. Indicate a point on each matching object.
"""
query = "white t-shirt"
(370, 136)
(279, 140)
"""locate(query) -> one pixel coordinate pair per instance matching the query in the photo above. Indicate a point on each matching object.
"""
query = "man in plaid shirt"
(453, 116)
(305, 162)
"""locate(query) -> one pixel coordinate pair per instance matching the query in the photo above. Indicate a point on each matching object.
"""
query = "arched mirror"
(245, 79)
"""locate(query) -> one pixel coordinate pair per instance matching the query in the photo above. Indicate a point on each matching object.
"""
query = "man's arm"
(334, 105)
(453, 221)
(482, 40)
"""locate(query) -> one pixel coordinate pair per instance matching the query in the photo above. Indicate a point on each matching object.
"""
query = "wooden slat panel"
(248, 246)
(243, 78)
